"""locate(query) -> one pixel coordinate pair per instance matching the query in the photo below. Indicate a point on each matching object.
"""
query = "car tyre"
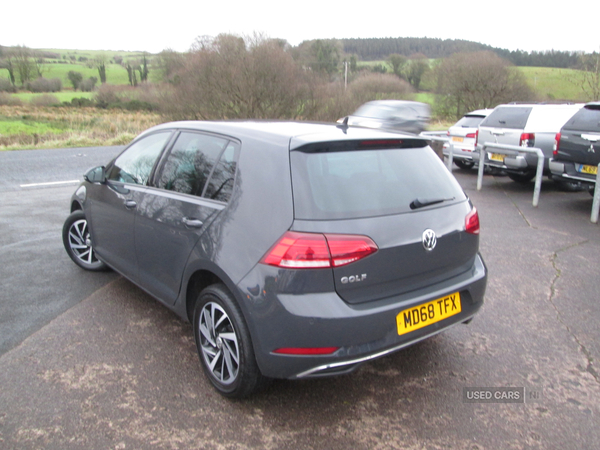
(525, 177)
(464, 164)
(78, 242)
(224, 344)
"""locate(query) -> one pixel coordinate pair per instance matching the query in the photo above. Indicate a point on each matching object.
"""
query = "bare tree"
(99, 62)
(227, 77)
(166, 65)
(417, 67)
(590, 81)
(398, 62)
(469, 81)
(23, 63)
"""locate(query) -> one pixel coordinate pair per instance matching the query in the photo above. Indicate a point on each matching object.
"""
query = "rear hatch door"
(580, 137)
(393, 196)
(504, 125)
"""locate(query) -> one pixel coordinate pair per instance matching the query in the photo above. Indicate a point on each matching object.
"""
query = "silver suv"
(524, 125)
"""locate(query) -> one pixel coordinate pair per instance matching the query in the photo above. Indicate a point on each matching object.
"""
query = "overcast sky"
(155, 26)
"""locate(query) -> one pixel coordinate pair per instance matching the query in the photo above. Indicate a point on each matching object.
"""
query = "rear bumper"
(362, 332)
(513, 163)
(464, 154)
(567, 171)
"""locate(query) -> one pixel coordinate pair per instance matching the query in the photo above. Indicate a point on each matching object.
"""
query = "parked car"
(577, 147)
(297, 250)
(392, 115)
(524, 125)
(462, 136)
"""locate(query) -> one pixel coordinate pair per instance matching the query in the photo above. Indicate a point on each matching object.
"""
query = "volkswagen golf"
(296, 250)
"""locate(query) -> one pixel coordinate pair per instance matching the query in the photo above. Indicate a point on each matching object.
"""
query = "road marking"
(50, 183)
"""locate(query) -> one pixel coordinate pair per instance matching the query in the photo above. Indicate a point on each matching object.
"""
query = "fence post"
(450, 155)
(481, 167)
(538, 177)
(596, 202)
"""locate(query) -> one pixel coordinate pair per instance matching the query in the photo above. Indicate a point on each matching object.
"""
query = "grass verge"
(29, 127)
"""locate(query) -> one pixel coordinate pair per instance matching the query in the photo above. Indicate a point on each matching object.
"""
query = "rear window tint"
(367, 183)
(509, 117)
(586, 119)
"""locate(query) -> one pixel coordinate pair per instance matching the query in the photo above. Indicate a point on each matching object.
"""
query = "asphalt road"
(37, 281)
(105, 366)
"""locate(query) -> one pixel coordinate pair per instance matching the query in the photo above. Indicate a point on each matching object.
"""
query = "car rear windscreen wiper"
(422, 202)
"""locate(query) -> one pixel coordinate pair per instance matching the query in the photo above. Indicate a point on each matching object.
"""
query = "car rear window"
(367, 183)
(586, 119)
(508, 117)
(469, 121)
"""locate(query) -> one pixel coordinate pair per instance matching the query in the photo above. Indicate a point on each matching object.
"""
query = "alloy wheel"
(80, 242)
(219, 343)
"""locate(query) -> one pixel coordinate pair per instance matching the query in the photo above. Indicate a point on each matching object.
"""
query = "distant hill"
(373, 49)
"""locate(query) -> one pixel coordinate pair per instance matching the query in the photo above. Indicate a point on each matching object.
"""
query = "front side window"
(135, 164)
(201, 165)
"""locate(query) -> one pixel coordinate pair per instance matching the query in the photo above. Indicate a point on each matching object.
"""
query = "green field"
(64, 96)
(554, 84)
(59, 67)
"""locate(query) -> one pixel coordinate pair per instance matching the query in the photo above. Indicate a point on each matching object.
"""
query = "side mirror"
(95, 175)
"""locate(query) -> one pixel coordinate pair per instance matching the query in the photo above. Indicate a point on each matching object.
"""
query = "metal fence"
(511, 150)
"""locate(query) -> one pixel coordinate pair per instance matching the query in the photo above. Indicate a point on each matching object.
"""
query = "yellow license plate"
(457, 139)
(588, 169)
(428, 313)
(497, 157)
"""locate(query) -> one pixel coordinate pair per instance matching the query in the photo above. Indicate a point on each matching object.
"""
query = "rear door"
(396, 197)
(191, 187)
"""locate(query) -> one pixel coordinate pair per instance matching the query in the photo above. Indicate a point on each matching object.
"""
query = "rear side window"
(586, 119)
(508, 117)
(201, 165)
(367, 183)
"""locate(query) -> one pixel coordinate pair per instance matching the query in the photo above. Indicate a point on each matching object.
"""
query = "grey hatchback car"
(295, 249)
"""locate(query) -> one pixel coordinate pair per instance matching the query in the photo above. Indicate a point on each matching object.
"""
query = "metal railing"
(513, 150)
(441, 136)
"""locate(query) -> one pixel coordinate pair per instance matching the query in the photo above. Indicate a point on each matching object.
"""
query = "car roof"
(283, 133)
(480, 112)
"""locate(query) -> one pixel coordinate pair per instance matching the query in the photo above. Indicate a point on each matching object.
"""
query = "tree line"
(372, 49)
(233, 77)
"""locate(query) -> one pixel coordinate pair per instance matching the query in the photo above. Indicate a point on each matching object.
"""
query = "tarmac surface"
(116, 370)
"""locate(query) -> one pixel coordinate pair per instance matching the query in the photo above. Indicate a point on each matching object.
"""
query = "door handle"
(192, 223)
(130, 204)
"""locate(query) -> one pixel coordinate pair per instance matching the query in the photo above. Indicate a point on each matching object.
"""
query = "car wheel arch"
(200, 279)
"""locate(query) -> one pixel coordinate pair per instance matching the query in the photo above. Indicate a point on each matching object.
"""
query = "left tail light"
(556, 144)
(314, 251)
(472, 222)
